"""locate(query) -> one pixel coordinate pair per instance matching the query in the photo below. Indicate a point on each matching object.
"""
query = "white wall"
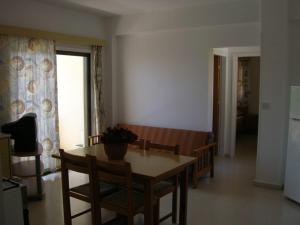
(294, 38)
(294, 52)
(34, 14)
(162, 70)
(274, 92)
(187, 18)
(294, 9)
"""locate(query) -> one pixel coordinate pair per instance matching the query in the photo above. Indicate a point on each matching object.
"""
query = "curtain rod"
(59, 37)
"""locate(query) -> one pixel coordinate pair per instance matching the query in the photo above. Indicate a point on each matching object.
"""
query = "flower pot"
(115, 151)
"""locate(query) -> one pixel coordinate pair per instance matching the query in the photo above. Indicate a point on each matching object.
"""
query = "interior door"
(216, 97)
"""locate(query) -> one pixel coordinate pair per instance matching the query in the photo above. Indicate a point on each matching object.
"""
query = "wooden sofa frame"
(192, 143)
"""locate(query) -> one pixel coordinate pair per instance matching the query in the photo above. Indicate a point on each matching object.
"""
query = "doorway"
(73, 88)
(227, 94)
(247, 104)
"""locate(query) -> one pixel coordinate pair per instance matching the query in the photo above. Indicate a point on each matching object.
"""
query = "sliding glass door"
(73, 84)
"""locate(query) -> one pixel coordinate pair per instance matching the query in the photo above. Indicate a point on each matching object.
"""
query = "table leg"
(38, 176)
(149, 202)
(183, 197)
(156, 213)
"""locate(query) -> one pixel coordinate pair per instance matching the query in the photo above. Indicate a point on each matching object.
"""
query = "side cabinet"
(5, 160)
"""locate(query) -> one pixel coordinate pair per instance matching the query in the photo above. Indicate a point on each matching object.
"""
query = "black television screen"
(24, 132)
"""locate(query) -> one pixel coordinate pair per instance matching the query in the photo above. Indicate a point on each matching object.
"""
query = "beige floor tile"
(228, 199)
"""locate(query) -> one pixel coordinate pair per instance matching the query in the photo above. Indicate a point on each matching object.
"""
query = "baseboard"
(268, 185)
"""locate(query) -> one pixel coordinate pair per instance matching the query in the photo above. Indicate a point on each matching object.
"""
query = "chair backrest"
(118, 173)
(73, 162)
(95, 139)
(170, 148)
(140, 144)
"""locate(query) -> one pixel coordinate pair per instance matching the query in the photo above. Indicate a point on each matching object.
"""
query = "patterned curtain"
(243, 84)
(28, 84)
(98, 120)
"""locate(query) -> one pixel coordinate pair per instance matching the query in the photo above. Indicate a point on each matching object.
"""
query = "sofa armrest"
(205, 161)
(196, 151)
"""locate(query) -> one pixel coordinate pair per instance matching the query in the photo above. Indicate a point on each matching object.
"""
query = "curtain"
(243, 84)
(98, 115)
(28, 84)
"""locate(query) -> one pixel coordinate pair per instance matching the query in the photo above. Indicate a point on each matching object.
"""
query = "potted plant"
(115, 142)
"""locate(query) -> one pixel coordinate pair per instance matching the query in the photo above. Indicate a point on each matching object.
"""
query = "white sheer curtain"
(28, 83)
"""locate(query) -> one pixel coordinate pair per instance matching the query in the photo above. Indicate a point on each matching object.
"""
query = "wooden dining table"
(149, 168)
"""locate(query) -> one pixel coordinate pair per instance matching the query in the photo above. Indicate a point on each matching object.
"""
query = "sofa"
(198, 144)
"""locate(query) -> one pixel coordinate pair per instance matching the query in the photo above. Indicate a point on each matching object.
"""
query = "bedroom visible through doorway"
(247, 102)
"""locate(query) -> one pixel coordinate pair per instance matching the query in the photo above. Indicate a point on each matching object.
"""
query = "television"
(24, 133)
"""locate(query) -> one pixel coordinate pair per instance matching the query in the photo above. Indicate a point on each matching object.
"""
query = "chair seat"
(158, 188)
(105, 189)
(120, 199)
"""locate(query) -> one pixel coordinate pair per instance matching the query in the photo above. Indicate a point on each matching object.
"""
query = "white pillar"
(274, 92)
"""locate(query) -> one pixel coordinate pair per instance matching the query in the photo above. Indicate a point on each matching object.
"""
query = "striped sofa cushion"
(187, 139)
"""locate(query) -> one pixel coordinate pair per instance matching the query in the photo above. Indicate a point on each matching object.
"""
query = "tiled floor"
(228, 199)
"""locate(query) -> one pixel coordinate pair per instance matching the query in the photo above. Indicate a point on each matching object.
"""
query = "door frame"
(87, 88)
(235, 58)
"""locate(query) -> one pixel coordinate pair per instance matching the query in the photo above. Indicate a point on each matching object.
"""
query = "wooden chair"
(126, 201)
(165, 187)
(95, 139)
(83, 192)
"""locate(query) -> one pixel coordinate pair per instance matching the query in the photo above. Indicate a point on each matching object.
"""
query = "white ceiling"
(124, 7)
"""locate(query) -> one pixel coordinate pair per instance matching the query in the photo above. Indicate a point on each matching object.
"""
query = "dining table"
(149, 168)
